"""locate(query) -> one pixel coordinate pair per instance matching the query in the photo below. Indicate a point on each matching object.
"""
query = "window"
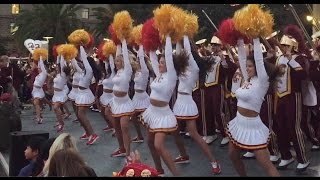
(15, 8)
(85, 13)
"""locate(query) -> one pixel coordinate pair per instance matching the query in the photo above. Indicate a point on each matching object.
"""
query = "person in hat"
(202, 51)
(289, 104)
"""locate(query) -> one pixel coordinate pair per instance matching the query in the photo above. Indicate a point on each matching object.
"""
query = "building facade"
(9, 13)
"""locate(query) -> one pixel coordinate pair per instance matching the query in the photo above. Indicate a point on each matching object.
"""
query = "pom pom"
(40, 52)
(113, 35)
(191, 25)
(228, 34)
(253, 21)
(169, 19)
(150, 36)
(68, 51)
(79, 37)
(109, 48)
(122, 24)
(91, 42)
(295, 32)
(100, 55)
(55, 51)
(137, 34)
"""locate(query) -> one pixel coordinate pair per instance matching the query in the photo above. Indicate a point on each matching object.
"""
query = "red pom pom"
(113, 35)
(54, 51)
(150, 36)
(100, 55)
(228, 34)
(91, 42)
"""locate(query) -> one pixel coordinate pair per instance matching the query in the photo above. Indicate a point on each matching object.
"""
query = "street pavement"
(98, 155)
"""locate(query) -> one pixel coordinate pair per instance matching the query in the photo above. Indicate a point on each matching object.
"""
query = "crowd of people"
(262, 97)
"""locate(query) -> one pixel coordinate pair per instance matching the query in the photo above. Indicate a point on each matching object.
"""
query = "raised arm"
(258, 57)
(192, 63)
(178, 48)
(111, 62)
(75, 65)
(169, 59)
(126, 61)
(83, 57)
(62, 65)
(118, 52)
(242, 58)
(154, 62)
(143, 65)
(42, 67)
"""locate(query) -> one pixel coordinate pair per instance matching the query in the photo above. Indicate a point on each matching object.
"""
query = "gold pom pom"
(122, 24)
(136, 34)
(169, 19)
(40, 52)
(79, 37)
(109, 48)
(253, 21)
(191, 25)
(68, 51)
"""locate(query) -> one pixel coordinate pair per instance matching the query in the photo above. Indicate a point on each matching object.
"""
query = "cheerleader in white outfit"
(141, 98)
(186, 109)
(59, 95)
(122, 107)
(75, 86)
(247, 131)
(37, 91)
(106, 97)
(158, 117)
(85, 97)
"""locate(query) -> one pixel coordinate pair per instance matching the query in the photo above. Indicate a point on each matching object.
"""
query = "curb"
(4, 164)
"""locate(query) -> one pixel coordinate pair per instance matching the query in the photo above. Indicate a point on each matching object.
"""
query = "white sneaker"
(187, 134)
(248, 155)
(302, 167)
(274, 158)
(210, 139)
(224, 141)
(315, 148)
(284, 163)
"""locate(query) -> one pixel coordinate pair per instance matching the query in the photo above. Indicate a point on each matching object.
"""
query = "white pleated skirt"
(141, 101)
(159, 119)
(59, 97)
(85, 97)
(248, 133)
(66, 89)
(121, 106)
(185, 108)
(73, 94)
(37, 93)
(106, 98)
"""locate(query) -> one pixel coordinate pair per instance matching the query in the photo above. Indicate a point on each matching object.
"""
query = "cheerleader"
(185, 109)
(141, 100)
(247, 131)
(85, 97)
(37, 91)
(59, 95)
(121, 106)
(75, 85)
(106, 97)
(158, 116)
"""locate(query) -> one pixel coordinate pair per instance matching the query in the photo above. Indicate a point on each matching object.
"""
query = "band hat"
(272, 35)
(286, 40)
(315, 35)
(201, 41)
(215, 40)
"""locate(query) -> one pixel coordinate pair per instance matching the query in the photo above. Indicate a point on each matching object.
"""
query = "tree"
(56, 20)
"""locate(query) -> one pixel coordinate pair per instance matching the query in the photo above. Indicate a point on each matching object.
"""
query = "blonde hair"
(63, 141)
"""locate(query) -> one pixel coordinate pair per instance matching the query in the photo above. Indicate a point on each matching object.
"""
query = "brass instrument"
(317, 26)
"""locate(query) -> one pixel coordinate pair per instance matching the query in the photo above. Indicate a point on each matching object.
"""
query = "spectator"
(69, 163)
(44, 152)
(32, 154)
(63, 141)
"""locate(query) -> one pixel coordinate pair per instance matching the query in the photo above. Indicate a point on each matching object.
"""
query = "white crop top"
(41, 77)
(61, 79)
(141, 77)
(251, 94)
(86, 78)
(123, 77)
(191, 76)
(164, 84)
(78, 74)
(107, 82)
